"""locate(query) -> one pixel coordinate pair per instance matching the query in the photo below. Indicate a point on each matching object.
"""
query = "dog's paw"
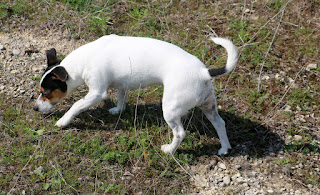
(223, 151)
(114, 111)
(167, 148)
(62, 123)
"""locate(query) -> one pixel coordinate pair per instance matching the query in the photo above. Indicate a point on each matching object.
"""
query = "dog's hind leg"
(210, 110)
(172, 115)
(122, 97)
(178, 135)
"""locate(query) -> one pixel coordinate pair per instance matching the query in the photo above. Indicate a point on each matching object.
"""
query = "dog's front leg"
(83, 104)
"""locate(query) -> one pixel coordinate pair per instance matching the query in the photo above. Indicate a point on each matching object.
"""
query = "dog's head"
(53, 86)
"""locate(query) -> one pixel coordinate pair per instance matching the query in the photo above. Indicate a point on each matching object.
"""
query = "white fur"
(43, 106)
(231, 50)
(131, 62)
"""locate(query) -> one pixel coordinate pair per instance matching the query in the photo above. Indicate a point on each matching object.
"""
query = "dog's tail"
(232, 57)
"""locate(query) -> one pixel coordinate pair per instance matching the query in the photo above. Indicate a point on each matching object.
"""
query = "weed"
(138, 13)
(98, 24)
(93, 155)
(283, 162)
(302, 97)
(276, 5)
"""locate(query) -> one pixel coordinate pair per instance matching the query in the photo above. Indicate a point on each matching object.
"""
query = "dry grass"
(277, 40)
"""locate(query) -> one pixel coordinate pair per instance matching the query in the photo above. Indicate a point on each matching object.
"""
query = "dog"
(124, 63)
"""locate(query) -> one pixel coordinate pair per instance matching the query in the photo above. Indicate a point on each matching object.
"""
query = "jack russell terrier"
(124, 63)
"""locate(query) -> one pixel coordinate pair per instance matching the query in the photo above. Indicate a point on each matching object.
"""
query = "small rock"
(297, 137)
(15, 71)
(37, 186)
(312, 67)
(127, 173)
(227, 180)
(265, 77)
(237, 175)
(278, 77)
(256, 164)
(2, 47)
(290, 80)
(200, 181)
(213, 180)
(298, 108)
(246, 165)
(270, 191)
(222, 166)
(136, 169)
(16, 52)
(247, 10)
(283, 73)
(203, 169)
(240, 180)
(253, 174)
(301, 166)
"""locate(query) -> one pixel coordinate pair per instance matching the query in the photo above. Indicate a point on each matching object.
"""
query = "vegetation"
(100, 153)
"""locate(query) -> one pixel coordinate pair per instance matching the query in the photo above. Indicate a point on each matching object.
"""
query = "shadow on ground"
(246, 137)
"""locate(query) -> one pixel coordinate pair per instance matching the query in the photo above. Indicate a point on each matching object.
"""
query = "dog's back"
(135, 61)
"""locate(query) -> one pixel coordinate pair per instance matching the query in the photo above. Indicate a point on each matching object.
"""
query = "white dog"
(131, 62)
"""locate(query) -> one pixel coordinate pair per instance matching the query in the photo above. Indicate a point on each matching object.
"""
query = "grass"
(67, 159)
(100, 153)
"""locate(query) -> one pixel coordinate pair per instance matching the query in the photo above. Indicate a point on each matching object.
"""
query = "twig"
(189, 122)
(285, 93)
(95, 182)
(182, 167)
(125, 95)
(244, 8)
(271, 19)
(271, 43)
(61, 176)
(136, 111)
(225, 88)
(15, 183)
(240, 38)
(212, 31)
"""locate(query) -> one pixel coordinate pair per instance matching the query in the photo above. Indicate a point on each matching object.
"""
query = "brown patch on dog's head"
(53, 85)
(52, 97)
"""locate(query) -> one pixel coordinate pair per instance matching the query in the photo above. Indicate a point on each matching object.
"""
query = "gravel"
(262, 178)
(19, 70)
(22, 61)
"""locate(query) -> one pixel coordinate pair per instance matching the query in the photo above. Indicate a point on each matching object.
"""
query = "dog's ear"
(60, 73)
(52, 57)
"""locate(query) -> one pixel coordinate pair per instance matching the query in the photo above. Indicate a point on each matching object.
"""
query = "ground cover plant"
(270, 102)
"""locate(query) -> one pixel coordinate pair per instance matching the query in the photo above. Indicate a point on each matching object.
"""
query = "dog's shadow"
(246, 137)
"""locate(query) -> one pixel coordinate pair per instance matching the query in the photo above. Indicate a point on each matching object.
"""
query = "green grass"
(62, 159)
(100, 153)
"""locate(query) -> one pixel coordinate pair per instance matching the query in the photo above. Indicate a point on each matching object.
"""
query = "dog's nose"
(35, 108)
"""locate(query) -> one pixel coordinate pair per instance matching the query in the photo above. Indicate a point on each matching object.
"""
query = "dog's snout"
(35, 108)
